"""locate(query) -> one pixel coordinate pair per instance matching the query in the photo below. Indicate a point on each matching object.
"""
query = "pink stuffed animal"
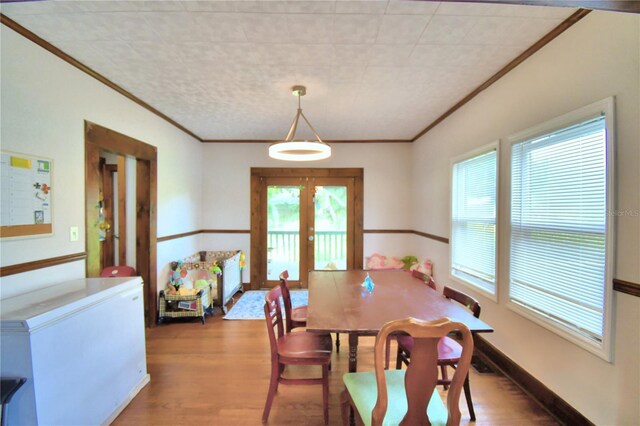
(425, 267)
(376, 261)
(395, 263)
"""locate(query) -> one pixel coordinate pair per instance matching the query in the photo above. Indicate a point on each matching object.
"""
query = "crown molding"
(87, 70)
(629, 6)
(565, 25)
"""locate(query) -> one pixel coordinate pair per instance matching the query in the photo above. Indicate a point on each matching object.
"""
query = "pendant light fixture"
(292, 150)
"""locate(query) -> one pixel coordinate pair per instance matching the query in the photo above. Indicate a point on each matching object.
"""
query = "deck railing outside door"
(330, 246)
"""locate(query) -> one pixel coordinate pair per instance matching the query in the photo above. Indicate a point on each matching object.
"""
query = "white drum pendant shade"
(291, 150)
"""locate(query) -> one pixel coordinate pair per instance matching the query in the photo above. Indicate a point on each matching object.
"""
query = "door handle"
(311, 238)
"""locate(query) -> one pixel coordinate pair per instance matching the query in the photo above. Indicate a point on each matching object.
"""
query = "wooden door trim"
(122, 210)
(99, 138)
(108, 258)
(258, 218)
(306, 172)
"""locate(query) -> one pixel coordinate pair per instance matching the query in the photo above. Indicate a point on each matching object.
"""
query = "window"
(559, 228)
(473, 220)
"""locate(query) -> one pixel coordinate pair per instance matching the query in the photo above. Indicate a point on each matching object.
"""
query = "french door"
(305, 223)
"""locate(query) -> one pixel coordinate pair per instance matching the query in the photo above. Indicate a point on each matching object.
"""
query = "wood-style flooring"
(218, 374)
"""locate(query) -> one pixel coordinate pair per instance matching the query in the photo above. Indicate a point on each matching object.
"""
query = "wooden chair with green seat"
(294, 349)
(295, 317)
(449, 350)
(408, 397)
(428, 280)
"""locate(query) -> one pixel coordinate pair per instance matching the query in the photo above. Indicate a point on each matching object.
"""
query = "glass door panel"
(330, 238)
(283, 231)
(304, 223)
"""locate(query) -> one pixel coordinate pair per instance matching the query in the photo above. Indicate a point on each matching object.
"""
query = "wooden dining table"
(338, 303)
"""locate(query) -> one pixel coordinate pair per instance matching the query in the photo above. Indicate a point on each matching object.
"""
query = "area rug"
(250, 306)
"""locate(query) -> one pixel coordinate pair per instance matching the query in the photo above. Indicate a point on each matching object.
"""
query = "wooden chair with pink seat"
(449, 351)
(294, 349)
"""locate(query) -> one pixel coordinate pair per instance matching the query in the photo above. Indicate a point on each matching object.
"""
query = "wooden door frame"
(259, 220)
(109, 213)
(98, 138)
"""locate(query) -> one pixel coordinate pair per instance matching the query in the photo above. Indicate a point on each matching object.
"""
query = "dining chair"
(428, 280)
(296, 317)
(449, 350)
(408, 397)
(294, 349)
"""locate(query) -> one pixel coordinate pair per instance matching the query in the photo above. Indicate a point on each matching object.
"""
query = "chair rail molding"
(19, 268)
(627, 287)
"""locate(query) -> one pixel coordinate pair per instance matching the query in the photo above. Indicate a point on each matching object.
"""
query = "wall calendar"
(25, 195)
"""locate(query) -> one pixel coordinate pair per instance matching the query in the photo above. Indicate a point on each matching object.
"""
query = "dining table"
(339, 303)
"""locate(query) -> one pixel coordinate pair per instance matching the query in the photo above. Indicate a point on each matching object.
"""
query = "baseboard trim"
(136, 389)
(535, 389)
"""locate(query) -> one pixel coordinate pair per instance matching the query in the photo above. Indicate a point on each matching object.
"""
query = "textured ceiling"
(223, 69)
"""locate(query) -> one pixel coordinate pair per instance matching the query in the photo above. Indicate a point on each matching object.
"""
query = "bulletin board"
(25, 195)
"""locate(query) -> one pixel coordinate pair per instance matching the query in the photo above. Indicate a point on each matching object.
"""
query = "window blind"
(558, 226)
(473, 222)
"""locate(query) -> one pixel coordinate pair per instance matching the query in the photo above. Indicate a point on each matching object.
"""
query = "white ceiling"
(223, 69)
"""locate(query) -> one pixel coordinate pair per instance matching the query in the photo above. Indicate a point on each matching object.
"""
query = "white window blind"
(473, 221)
(558, 226)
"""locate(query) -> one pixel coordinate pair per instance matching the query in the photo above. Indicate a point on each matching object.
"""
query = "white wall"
(226, 192)
(597, 58)
(130, 166)
(228, 171)
(44, 104)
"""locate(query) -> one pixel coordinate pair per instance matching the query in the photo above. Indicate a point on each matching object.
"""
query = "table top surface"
(339, 303)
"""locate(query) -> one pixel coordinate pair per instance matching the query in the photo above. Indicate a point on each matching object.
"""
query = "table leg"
(353, 352)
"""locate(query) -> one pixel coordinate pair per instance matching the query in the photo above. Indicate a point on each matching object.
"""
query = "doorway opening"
(101, 142)
(303, 220)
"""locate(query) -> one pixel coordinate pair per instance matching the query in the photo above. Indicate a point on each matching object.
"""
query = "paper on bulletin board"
(25, 195)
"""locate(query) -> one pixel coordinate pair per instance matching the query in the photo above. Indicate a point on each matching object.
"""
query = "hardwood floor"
(218, 374)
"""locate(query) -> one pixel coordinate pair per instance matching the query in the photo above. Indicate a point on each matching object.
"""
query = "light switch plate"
(74, 233)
